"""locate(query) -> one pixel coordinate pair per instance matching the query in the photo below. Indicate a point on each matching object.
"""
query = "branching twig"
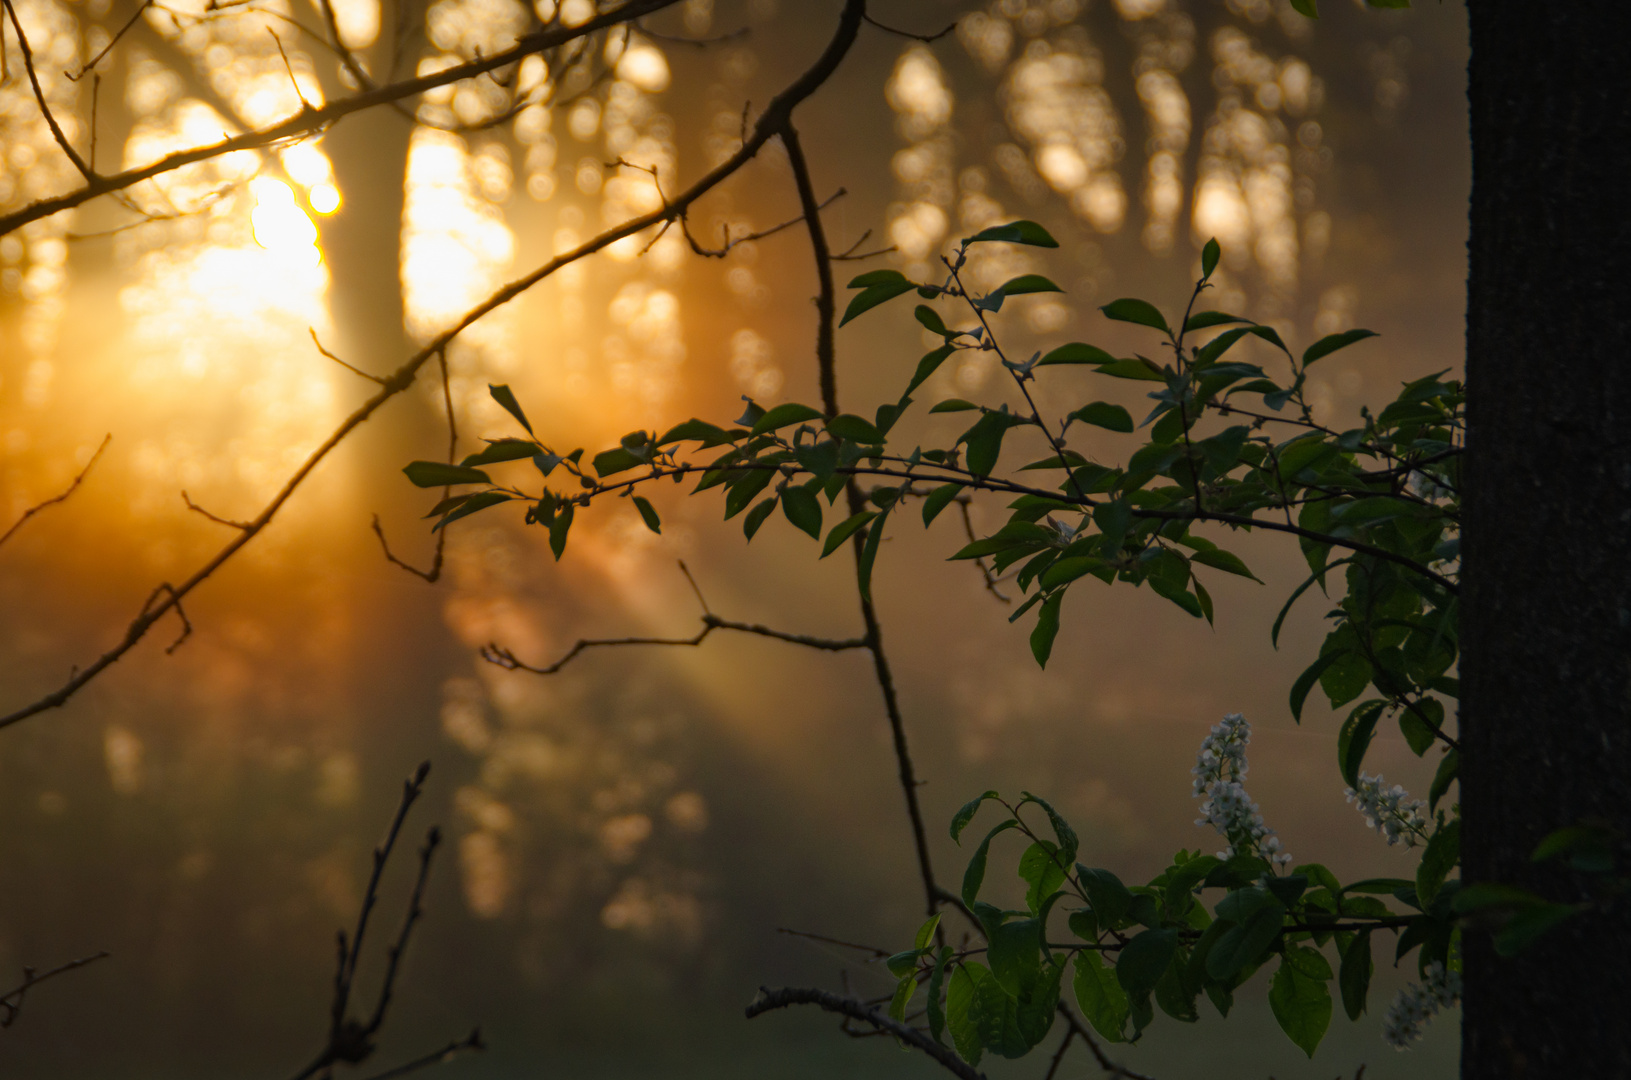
(844, 1006)
(195, 508)
(925, 38)
(11, 1002)
(74, 486)
(39, 97)
(470, 1043)
(877, 953)
(354, 370)
(494, 653)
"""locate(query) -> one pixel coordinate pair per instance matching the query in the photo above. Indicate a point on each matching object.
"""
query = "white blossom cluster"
(1390, 810)
(1219, 771)
(1416, 1005)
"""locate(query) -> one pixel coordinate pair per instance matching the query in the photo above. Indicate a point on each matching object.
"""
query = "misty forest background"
(626, 838)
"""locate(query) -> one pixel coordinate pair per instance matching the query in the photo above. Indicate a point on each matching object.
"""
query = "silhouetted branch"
(768, 126)
(826, 360)
(494, 653)
(732, 241)
(470, 1043)
(72, 487)
(39, 97)
(195, 508)
(925, 38)
(877, 953)
(351, 1041)
(11, 1002)
(1080, 1030)
(844, 1006)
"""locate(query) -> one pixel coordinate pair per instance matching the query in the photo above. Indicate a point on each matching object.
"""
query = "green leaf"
(1015, 232)
(937, 1011)
(502, 450)
(1065, 571)
(966, 814)
(1175, 993)
(558, 529)
(1139, 369)
(1111, 899)
(1136, 311)
(1355, 738)
(1203, 320)
(502, 394)
(1062, 832)
(440, 474)
(1100, 996)
(802, 509)
(1076, 353)
(869, 555)
(1441, 856)
(925, 933)
(1144, 959)
(756, 517)
(745, 489)
(1028, 283)
(873, 295)
(928, 365)
(853, 428)
(1042, 869)
(1418, 732)
(1105, 415)
(619, 459)
(952, 405)
(1305, 682)
(1209, 258)
(930, 318)
(903, 994)
(649, 515)
(1301, 1002)
(1448, 770)
(784, 415)
(1330, 343)
(1309, 8)
(985, 441)
(481, 500)
(1047, 628)
(844, 530)
(937, 500)
(695, 430)
(974, 876)
(1219, 559)
(959, 1016)
(877, 277)
(1355, 975)
(1245, 944)
(903, 964)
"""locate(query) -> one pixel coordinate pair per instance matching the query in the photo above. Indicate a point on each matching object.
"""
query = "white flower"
(1390, 811)
(1416, 1005)
(1219, 769)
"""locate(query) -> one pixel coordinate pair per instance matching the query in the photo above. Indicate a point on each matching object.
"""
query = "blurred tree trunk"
(1547, 644)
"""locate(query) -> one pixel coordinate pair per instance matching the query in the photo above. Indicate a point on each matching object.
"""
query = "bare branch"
(494, 653)
(11, 1002)
(430, 575)
(877, 953)
(75, 76)
(1114, 1068)
(845, 1006)
(73, 487)
(470, 1043)
(826, 360)
(769, 124)
(195, 508)
(39, 97)
(732, 241)
(925, 38)
(354, 370)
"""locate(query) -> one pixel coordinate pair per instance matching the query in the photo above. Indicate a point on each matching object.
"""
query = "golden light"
(280, 226)
(325, 198)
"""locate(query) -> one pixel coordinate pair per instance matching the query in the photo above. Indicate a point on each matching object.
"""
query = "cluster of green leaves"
(1129, 950)
(1374, 509)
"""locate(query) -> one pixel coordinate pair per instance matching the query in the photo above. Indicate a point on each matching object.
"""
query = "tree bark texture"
(1546, 661)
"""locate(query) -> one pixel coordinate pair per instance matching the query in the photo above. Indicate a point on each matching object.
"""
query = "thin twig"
(925, 38)
(195, 508)
(354, 370)
(732, 241)
(430, 575)
(79, 479)
(845, 1006)
(75, 76)
(11, 1002)
(469, 1044)
(877, 953)
(497, 654)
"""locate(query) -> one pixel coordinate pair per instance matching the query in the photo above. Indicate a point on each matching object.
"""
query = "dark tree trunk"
(1546, 666)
